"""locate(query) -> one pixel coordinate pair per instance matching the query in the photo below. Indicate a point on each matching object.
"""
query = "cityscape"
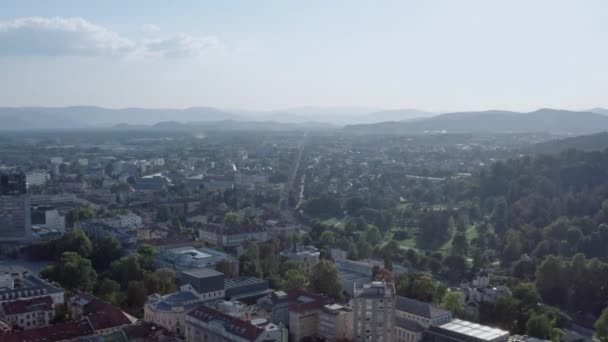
(137, 203)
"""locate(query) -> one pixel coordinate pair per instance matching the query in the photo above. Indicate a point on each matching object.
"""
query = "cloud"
(182, 45)
(58, 36)
(150, 28)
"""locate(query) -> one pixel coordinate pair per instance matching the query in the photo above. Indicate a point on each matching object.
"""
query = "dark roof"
(418, 308)
(236, 229)
(147, 331)
(407, 324)
(102, 315)
(30, 305)
(58, 332)
(202, 273)
(300, 300)
(231, 324)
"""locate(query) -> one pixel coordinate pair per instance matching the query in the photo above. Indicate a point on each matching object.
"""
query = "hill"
(593, 142)
(543, 120)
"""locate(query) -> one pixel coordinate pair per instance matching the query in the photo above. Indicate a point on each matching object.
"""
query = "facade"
(422, 313)
(20, 284)
(479, 291)
(36, 178)
(30, 313)
(336, 323)
(352, 273)
(170, 311)
(205, 324)
(206, 284)
(229, 237)
(15, 212)
(374, 305)
(54, 220)
(307, 256)
(463, 331)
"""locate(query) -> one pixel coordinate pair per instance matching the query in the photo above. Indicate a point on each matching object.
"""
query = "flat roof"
(202, 273)
(474, 330)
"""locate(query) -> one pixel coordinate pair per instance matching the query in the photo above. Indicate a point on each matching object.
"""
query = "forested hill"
(494, 121)
(553, 210)
(593, 142)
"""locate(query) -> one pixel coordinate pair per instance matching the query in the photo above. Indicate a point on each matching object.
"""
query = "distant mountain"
(598, 110)
(394, 115)
(593, 142)
(494, 121)
(90, 117)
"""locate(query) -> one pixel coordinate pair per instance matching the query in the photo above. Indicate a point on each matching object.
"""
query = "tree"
(324, 279)
(161, 281)
(601, 326)
(364, 249)
(126, 269)
(231, 218)
(225, 267)
(419, 286)
(105, 251)
(539, 326)
(551, 281)
(75, 241)
(453, 301)
(109, 291)
(147, 253)
(460, 245)
(72, 272)
(136, 294)
(294, 279)
(373, 235)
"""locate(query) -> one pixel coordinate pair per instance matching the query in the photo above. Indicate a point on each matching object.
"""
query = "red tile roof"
(29, 305)
(57, 332)
(231, 324)
(102, 315)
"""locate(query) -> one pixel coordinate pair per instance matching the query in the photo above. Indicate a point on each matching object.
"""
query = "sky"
(434, 55)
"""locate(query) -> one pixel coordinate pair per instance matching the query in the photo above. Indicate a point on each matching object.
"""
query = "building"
(480, 290)
(336, 323)
(15, 212)
(352, 273)
(374, 305)
(232, 236)
(307, 256)
(36, 178)
(152, 183)
(54, 220)
(296, 309)
(206, 284)
(188, 258)
(30, 313)
(20, 284)
(463, 331)
(170, 311)
(91, 318)
(412, 317)
(207, 324)
(246, 289)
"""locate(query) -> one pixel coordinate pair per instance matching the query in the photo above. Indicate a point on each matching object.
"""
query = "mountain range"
(354, 119)
(495, 121)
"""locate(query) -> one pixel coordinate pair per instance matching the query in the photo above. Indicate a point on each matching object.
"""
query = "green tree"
(105, 251)
(324, 279)
(294, 279)
(109, 291)
(453, 301)
(460, 245)
(373, 235)
(136, 294)
(147, 253)
(74, 241)
(126, 269)
(551, 281)
(72, 271)
(601, 326)
(364, 249)
(161, 281)
(539, 326)
(231, 218)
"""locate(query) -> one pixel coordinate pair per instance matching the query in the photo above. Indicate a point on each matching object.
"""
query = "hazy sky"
(425, 54)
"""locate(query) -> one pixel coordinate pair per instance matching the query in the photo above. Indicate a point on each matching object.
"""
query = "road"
(284, 199)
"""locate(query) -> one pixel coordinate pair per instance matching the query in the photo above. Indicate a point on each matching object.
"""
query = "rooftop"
(471, 329)
(24, 306)
(418, 308)
(232, 325)
(203, 273)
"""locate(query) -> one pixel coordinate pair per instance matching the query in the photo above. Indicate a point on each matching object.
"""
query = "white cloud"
(182, 45)
(150, 28)
(58, 36)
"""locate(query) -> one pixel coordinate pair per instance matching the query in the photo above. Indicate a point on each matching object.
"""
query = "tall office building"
(15, 216)
(374, 310)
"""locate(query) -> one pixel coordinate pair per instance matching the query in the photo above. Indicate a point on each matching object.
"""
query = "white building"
(54, 220)
(336, 323)
(374, 311)
(30, 313)
(226, 236)
(307, 256)
(36, 178)
(170, 311)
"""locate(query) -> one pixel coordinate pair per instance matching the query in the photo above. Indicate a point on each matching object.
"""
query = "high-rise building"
(374, 310)
(15, 217)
